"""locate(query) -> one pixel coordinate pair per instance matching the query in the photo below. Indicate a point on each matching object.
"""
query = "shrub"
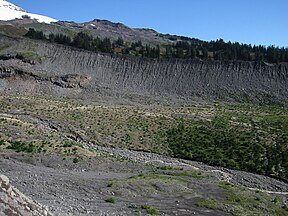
(2, 142)
(76, 160)
(67, 144)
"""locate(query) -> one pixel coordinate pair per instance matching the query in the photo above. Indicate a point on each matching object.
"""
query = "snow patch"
(9, 11)
(10, 6)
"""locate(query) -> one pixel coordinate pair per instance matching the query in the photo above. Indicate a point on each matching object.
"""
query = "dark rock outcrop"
(13, 202)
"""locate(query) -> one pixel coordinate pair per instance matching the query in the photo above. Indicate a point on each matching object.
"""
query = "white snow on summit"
(9, 11)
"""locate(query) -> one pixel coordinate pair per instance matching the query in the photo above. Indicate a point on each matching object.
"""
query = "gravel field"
(84, 188)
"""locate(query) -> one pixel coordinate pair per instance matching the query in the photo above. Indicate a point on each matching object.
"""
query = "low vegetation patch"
(169, 168)
(240, 201)
(2, 142)
(13, 31)
(151, 210)
(20, 146)
(186, 173)
(236, 145)
(112, 183)
(111, 200)
(76, 160)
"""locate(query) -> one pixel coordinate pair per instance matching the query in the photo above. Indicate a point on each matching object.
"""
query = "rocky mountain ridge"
(105, 28)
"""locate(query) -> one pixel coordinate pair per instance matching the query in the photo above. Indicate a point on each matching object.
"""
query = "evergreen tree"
(83, 40)
(33, 34)
(168, 52)
(106, 46)
(187, 48)
(119, 42)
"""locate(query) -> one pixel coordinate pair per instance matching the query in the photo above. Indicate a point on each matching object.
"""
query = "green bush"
(76, 160)
(2, 142)
(67, 144)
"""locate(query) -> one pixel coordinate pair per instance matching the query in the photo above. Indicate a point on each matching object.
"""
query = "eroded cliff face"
(228, 80)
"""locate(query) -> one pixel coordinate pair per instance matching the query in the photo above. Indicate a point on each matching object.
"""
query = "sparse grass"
(169, 168)
(210, 203)
(14, 31)
(225, 185)
(150, 209)
(112, 183)
(111, 200)
(30, 56)
(187, 173)
(129, 126)
(151, 176)
(245, 202)
(4, 46)
(150, 183)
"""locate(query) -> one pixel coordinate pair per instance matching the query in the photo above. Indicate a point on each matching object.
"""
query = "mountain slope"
(105, 28)
(9, 11)
(205, 80)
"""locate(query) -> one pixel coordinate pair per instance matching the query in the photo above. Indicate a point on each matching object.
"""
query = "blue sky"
(246, 21)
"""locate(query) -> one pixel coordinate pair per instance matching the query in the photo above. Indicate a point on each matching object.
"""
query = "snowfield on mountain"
(9, 11)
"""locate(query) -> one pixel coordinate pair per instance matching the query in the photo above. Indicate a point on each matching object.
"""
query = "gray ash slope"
(227, 80)
(116, 74)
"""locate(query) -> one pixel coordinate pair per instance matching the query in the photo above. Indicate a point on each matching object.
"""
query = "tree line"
(214, 50)
(220, 50)
(85, 41)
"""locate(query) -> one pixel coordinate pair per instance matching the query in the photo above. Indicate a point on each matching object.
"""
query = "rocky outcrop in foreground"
(14, 203)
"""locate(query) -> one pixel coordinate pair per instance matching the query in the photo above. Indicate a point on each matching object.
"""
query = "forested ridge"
(186, 49)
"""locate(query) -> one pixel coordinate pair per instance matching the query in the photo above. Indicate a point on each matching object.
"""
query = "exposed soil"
(81, 189)
(69, 188)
